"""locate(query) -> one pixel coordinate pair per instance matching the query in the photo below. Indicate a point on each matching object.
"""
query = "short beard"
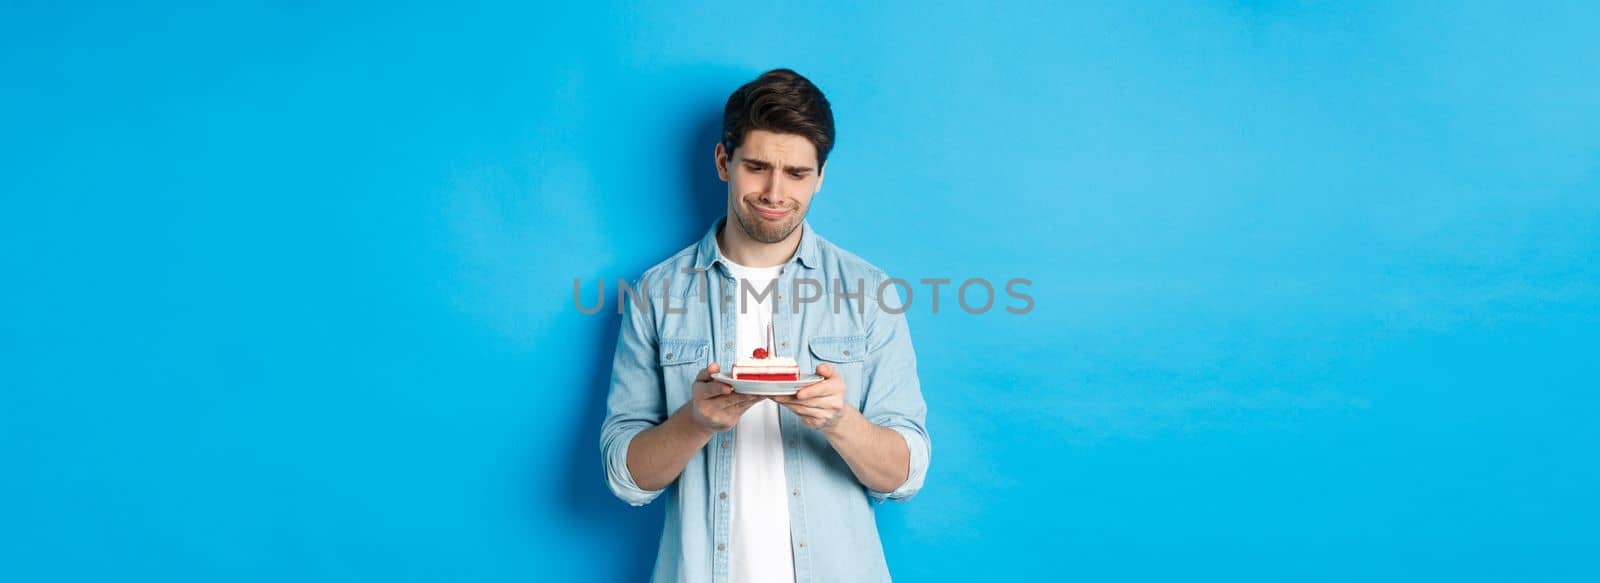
(763, 231)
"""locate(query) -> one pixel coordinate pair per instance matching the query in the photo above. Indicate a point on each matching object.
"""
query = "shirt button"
(729, 345)
(722, 547)
(723, 495)
(802, 545)
(785, 344)
(847, 353)
(727, 299)
(796, 492)
(669, 356)
(791, 443)
(725, 445)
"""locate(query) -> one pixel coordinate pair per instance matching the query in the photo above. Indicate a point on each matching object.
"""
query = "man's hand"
(819, 405)
(715, 406)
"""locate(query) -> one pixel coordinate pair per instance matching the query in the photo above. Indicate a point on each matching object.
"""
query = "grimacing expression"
(771, 178)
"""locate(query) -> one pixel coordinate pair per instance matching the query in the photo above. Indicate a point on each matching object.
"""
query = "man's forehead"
(776, 148)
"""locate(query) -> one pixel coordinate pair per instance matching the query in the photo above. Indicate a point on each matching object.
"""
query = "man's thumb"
(825, 370)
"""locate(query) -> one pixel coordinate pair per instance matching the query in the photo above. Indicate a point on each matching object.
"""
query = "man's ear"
(822, 173)
(721, 158)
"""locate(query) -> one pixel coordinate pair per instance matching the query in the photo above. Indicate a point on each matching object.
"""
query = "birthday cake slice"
(760, 366)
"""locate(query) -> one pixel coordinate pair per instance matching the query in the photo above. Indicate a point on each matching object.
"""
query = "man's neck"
(739, 248)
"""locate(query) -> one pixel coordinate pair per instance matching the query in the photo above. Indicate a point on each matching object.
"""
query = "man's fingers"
(826, 371)
(804, 407)
(799, 406)
(739, 402)
(822, 389)
(796, 398)
(711, 391)
(705, 373)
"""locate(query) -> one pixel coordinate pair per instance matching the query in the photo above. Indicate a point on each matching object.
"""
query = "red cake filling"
(747, 376)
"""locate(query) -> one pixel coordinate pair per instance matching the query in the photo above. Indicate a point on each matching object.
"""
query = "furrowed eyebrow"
(765, 164)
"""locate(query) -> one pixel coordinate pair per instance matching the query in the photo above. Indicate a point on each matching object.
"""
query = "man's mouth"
(772, 214)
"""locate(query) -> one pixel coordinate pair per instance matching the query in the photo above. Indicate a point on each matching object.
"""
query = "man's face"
(771, 178)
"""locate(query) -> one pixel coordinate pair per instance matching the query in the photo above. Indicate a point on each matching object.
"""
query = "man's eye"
(797, 175)
(753, 168)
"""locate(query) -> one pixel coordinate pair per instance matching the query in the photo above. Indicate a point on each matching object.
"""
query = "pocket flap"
(839, 348)
(683, 351)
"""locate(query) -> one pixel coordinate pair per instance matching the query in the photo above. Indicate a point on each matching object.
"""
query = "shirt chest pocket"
(848, 355)
(681, 359)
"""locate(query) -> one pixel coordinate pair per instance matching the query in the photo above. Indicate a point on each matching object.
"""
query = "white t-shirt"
(759, 550)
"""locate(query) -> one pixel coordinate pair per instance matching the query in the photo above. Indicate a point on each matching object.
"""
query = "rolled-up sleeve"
(893, 391)
(636, 401)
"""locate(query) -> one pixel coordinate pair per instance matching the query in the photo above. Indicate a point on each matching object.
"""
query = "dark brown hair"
(779, 101)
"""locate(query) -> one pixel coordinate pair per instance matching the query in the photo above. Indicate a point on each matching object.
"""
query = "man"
(766, 488)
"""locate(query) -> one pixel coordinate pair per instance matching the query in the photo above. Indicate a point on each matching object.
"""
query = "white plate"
(766, 388)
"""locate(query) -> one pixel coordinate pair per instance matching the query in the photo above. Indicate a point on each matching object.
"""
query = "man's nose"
(769, 188)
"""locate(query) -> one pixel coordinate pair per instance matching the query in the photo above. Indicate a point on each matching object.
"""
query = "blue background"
(288, 288)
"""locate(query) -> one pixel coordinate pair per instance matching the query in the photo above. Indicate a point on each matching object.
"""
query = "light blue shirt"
(684, 320)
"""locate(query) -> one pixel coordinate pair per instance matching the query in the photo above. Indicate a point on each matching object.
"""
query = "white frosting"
(770, 362)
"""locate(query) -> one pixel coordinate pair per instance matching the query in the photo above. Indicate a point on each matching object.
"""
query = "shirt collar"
(708, 253)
